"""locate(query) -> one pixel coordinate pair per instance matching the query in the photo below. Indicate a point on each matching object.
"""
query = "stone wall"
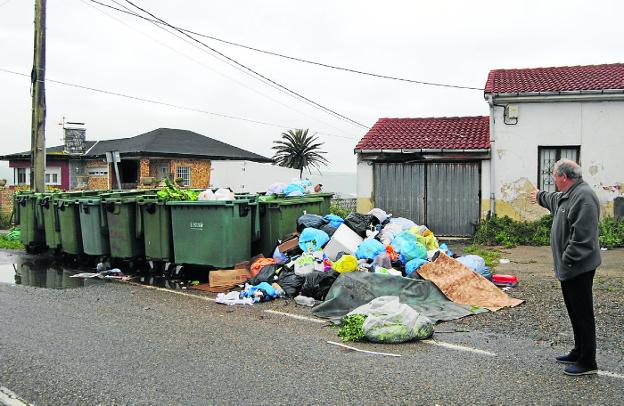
(200, 171)
(98, 182)
(6, 201)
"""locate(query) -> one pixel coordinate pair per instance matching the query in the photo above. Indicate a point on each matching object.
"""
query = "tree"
(296, 149)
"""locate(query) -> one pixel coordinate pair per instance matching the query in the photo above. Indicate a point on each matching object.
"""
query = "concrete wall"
(597, 127)
(364, 191)
(248, 176)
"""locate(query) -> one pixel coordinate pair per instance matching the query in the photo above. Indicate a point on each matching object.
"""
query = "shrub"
(505, 231)
(338, 210)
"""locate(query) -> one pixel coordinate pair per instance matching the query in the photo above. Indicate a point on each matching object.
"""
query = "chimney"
(74, 135)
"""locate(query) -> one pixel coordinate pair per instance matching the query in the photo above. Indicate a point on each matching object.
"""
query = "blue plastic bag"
(413, 265)
(312, 239)
(294, 189)
(407, 245)
(369, 249)
(477, 264)
(445, 249)
(267, 290)
(334, 220)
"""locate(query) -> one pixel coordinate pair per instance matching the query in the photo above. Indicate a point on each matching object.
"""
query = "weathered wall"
(6, 201)
(248, 176)
(98, 182)
(200, 171)
(595, 126)
(144, 168)
(364, 190)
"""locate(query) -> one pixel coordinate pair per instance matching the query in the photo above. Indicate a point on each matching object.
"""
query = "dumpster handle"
(103, 221)
(138, 228)
(243, 209)
(57, 221)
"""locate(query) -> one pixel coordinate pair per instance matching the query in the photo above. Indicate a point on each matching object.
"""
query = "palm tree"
(296, 149)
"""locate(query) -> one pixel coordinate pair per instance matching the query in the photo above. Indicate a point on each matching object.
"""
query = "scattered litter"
(504, 261)
(233, 298)
(306, 301)
(504, 280)
(603, 249)
(364, 351)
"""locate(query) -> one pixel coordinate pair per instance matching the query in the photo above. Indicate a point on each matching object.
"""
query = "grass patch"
(496, 231)
(491, 256)
(338, 210)
(11, 245)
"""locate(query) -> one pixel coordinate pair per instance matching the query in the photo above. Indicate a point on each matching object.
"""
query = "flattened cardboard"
(228, 277)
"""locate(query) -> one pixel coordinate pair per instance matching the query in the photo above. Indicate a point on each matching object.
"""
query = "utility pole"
(37, 77)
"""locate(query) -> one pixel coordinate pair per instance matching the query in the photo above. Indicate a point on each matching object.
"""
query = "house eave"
(567, 96)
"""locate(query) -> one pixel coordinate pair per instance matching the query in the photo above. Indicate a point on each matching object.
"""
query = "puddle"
(42, 274)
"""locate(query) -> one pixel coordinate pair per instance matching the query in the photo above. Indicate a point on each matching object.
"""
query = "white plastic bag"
(390, 321)
(206, 195)
(224, 194)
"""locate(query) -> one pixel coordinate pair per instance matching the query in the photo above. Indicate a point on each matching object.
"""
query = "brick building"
(165, 152)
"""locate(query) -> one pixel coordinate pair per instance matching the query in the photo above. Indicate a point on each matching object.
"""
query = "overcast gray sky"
(452, 42)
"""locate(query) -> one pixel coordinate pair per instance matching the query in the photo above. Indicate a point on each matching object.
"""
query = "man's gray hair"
(569, 168)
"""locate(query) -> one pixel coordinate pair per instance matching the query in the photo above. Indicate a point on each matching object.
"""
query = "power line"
(109, 92)
(205, 65)
(292, 58)
(292, 92)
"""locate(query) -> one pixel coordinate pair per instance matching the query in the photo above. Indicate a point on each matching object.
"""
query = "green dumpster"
(94, 226)
(154, 219)
(278, 217)
(125, 238)
(28, 218)
(50, 220)
(68, 212)
(214, 233)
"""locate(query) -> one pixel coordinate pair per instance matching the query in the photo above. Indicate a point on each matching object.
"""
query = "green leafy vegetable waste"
(351, 329)
(172, 192)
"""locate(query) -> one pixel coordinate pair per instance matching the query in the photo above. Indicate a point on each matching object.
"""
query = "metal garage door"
(444, 196)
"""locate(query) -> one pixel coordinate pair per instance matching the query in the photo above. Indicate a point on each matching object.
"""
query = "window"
(53, 176)
(547, 158)
(100, 171)
(184, 172)
(22, 176)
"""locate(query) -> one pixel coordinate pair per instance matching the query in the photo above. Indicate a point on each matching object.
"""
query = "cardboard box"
(289, 245)
(228, 277)
(344, 240)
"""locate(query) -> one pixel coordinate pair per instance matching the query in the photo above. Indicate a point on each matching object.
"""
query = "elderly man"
(576, 255)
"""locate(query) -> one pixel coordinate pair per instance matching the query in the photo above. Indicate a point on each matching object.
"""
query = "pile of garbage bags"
(306, 264)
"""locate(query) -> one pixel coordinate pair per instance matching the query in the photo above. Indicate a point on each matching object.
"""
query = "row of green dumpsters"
(131, 225)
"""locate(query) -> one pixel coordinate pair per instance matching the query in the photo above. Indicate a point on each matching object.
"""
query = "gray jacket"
(574, 233)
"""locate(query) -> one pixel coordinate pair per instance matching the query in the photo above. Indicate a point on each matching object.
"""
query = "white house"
(447, 172)
(540, 115)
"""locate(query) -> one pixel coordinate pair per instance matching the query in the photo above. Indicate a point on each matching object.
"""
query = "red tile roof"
(428, 133)
(556, 79)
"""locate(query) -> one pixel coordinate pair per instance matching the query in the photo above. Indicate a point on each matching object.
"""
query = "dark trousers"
(577, 295)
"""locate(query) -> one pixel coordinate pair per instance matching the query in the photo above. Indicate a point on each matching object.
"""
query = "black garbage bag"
(329, 229)
(290, 282)
(266, 274)
(317, 284)
(310, 220)
(360, 223)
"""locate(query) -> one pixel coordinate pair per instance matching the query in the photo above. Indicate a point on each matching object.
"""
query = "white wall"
(248, 176)
(598, 127)
(364, 187)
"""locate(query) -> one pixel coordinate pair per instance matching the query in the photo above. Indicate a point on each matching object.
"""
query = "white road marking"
(295, 316)
(458, 347)
(610, 374)
(209, 299)
(364, 351)
(9, 398)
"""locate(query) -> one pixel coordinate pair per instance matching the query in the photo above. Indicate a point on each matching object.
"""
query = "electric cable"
(197, 110)
(322, 64)
(292, 92)
(206, 66)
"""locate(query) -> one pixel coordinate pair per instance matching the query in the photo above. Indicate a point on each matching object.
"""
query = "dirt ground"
(543, 316)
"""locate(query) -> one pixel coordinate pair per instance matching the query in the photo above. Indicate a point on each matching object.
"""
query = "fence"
(347, 204)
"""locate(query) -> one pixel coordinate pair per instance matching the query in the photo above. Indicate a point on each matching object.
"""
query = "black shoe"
(577, 370)
(567, 359)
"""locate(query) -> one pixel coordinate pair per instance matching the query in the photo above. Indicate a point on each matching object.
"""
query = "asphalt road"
(115, 343)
